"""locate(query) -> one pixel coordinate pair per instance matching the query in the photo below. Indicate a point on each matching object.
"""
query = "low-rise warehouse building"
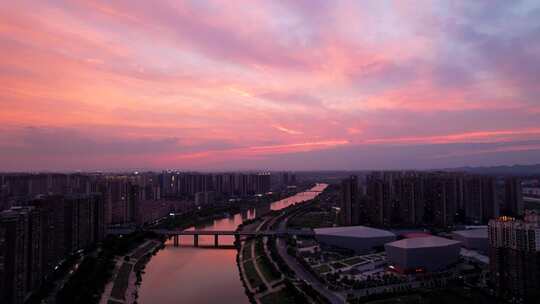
(361, 239)
(474, 239)
(422, 254)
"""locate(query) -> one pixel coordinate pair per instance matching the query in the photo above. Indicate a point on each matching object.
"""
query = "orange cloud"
(478, 136)
(297, 78)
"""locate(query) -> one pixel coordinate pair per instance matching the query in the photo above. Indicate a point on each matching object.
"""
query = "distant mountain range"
(501, 170)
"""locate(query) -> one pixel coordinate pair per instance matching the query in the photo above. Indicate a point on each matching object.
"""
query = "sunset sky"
(223, 85)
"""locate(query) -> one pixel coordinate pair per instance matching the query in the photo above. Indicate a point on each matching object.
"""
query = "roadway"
(531, 199)
(302, 273)
(333, 297)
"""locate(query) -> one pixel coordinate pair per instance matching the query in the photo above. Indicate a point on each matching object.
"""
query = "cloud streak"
(288, 131)
(216, 84)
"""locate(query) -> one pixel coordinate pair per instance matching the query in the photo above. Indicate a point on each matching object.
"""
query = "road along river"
(188, 274)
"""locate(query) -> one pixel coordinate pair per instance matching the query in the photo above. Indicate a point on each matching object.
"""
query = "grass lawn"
(142, 251)
(251, 275)
(259, 249)
(281, 296)
(268, 270)
(246, 250)
(311, 220)
(322, 269)
(121, 281)
(353, 261)
(338, 265)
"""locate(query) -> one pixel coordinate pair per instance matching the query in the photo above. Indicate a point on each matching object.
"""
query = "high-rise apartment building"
(120, 195)
(31, 185)
(429, 198)
(480, 199)
(285, 178)
(374, 192)
(230, 184)
(513, 197)
(514, 247)
(350, 200)
(51, 208)
(20, 253)
(441, 192)
(261, 182)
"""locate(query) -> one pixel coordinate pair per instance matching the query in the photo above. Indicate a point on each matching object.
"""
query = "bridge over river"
(204, 276)
(175, 234)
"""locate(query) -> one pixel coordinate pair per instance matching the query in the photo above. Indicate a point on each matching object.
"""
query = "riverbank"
(264, 275)
(123, 288)
(86, 280)
(126, 279)
(221, 210)
(188, 272)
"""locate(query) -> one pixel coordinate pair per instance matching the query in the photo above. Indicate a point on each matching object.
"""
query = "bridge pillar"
(196, 240)
(237, 240)
(175, 240)
(216, 240)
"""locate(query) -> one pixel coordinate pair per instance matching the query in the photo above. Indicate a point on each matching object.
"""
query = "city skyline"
(292, 85)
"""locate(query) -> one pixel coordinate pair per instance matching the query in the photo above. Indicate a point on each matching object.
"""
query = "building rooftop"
(475, 255)
(472, 233)
(423, 242)
(416, 235)
(354, 231)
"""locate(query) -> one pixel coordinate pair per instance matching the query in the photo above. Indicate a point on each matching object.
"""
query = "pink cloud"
(224, 80)
(288, 131)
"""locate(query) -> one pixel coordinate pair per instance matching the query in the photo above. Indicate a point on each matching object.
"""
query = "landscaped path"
(122, 288)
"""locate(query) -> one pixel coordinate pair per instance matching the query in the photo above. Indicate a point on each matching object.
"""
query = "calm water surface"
(187, 274)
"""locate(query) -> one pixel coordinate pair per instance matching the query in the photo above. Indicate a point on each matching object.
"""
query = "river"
(187, 274)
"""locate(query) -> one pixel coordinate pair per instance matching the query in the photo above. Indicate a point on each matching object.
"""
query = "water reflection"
(187, 274)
